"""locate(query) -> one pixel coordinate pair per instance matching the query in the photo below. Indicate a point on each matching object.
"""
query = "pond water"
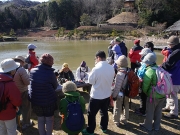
(71, 52)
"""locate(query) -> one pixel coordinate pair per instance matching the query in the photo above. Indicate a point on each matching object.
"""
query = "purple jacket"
(175, 72)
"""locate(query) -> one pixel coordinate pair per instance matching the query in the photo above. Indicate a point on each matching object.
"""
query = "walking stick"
(18, 113)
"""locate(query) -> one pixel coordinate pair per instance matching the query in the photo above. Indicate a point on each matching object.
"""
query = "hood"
(5, 77)
(32, 52)
(122, 44)
(72, 95)
(175, 47)
(45, 66)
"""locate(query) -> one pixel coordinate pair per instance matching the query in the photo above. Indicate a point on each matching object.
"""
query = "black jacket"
(123, 48)
(172, 59)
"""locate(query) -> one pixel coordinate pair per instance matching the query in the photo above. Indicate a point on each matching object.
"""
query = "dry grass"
(168, 127)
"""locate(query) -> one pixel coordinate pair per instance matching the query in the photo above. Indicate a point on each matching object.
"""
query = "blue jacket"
(172, 65)
(43, 83)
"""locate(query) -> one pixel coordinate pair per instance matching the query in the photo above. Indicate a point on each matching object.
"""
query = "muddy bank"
(155, 40)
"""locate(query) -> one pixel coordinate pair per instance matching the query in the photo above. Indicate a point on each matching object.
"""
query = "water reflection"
(71, 52)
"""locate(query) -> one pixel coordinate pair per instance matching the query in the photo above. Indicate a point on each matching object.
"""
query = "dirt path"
(168, 127)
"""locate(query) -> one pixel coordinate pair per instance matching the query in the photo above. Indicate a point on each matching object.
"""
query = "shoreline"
(156, 41)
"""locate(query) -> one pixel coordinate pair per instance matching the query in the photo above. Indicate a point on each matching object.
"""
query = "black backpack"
(75, 118)
(3, 101)
(27, 59)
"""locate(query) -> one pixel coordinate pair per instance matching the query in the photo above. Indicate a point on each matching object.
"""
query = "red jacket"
(13, 94)
(166, 54)
(134, 53)
(33, 59)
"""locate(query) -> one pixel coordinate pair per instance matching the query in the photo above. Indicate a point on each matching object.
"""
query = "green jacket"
(149, 80)
(70, 96)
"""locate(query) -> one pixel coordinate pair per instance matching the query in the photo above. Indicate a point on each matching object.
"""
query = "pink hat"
(137, 41)
(47, 59)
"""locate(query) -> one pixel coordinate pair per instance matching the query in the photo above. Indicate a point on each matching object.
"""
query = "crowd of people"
(31, 83)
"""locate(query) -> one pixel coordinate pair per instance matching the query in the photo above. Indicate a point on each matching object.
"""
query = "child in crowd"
(69, 89)
(153, 108)
(121, 101)
(166, 52)
(140, 73)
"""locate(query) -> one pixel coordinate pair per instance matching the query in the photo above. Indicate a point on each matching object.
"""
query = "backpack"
(75, 118)
(131, 88)
(27, 59)
(3, 102)
(164, 84)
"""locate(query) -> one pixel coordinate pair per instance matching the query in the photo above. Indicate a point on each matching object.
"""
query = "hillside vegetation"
(70, 14)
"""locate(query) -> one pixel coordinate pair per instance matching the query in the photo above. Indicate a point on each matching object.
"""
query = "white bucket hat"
(31, 46)
(150, 59)
(145, 51)
(8, 65)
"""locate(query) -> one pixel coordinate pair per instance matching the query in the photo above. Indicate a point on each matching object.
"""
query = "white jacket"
(101, 78)
(81, 75)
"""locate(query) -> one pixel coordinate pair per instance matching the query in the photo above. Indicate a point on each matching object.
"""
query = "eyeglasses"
(96, 57)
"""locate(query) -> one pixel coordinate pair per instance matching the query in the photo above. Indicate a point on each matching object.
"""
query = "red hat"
(47, 59)
(137, 41)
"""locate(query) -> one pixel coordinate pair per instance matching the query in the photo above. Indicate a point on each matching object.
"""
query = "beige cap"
(173, 40)
(122, 61)
(20, 58)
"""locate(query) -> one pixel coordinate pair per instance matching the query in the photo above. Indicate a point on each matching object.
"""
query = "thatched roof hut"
(124, 18)
(129, 3)
(174, 27)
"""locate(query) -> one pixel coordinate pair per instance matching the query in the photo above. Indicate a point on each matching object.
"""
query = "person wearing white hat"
(21, 78)
(31, 59)
(141, 111)
(154, 103)
(10, 97)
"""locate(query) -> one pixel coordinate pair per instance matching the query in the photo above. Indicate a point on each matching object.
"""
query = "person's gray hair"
(69, 86)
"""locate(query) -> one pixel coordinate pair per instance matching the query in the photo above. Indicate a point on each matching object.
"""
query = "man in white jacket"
(101, 78)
